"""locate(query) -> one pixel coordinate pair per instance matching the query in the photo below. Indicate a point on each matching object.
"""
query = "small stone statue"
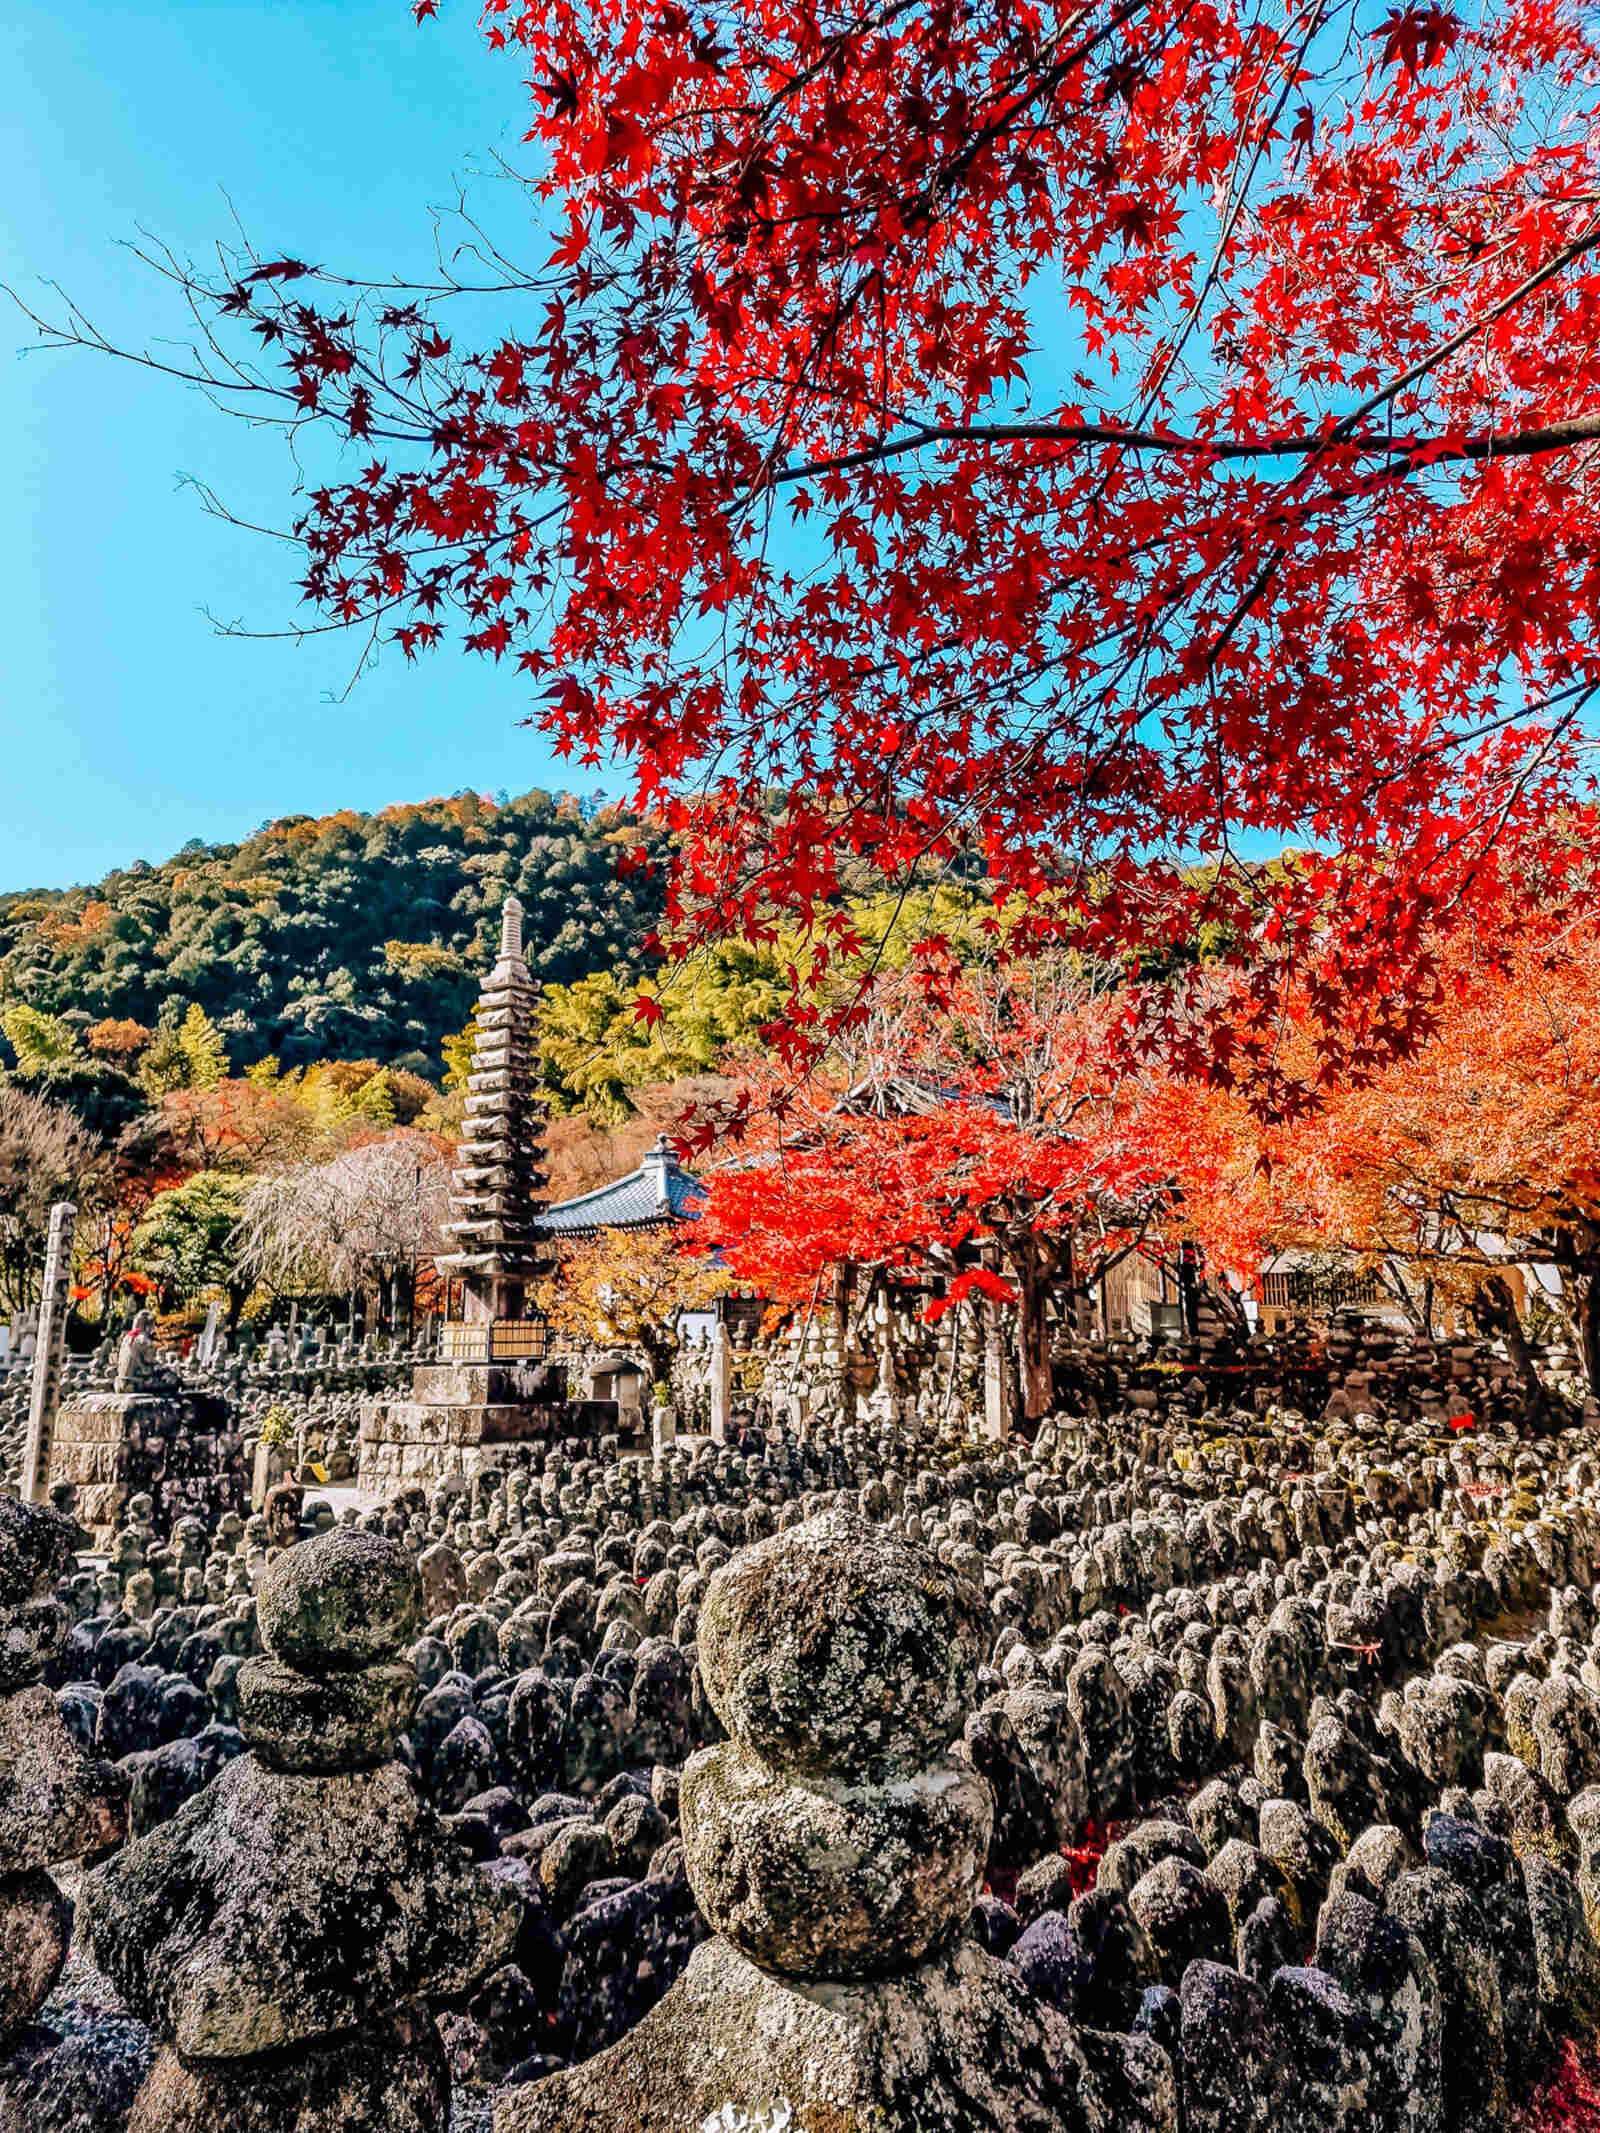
(136, 1355)
(836, 1847)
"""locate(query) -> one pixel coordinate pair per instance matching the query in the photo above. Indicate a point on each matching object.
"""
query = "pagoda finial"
(511, 928)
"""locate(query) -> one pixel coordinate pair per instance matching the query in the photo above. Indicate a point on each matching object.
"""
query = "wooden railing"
(1309, 1294)
(500, 1340)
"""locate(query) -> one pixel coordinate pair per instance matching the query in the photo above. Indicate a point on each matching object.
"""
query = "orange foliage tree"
(117, 1037)
(237, 1125)
(1444, 1171)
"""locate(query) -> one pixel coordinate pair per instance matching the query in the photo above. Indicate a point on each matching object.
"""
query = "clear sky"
(127, 725)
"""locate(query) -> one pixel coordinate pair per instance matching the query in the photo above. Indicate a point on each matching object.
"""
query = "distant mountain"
(341, 935)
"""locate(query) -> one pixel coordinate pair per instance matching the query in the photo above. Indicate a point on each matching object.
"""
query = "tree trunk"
(1418, 1311)
(1189, 1289)
(844, 1280)
(658, 1355)
(1033, 1341)
(1494, 1310)
(1588, 1321)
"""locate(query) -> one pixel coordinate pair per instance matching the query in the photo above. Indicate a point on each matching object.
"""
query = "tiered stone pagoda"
(487, 1389)
(496, 1192)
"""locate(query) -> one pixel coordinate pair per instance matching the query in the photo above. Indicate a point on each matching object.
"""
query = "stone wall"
(933, 1375)
(180, 1449)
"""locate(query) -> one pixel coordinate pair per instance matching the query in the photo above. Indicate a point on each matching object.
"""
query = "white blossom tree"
(358, 1222)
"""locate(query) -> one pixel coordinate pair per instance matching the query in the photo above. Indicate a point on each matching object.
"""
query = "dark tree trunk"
(844, 1281)
(1588, 1317)
(1494, 1310)
(1033, 1341)
(658, 1355)
(1418, 1309)
(1189, 1288)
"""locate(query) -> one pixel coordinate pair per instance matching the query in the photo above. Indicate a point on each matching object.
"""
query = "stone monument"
(212, 1340)
(720, 1381)
(483, 1393)
(149, 1433)
(282, 1933)
(836, 1845)
(138, 1368)
(998, 1379)
(49, 1353)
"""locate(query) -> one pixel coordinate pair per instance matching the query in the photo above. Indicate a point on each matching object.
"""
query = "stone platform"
(175, 1446)
(460, 1418)
(955, 2046)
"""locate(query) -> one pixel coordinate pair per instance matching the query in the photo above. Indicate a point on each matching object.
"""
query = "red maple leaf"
(1416, 38)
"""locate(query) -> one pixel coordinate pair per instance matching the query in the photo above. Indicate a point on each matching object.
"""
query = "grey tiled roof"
(660, 1190)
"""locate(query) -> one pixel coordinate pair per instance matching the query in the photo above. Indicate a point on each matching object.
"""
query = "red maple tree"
(1097, 445)
(982, 1150)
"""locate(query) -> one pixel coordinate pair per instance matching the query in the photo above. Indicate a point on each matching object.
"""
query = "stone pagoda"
(496, 1192)
(487, 1390)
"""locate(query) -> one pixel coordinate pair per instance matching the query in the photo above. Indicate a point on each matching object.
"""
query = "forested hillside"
(332, 937)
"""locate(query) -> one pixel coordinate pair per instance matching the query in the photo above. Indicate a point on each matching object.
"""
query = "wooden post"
(48, 1354)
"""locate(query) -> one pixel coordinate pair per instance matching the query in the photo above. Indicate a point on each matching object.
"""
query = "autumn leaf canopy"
(1094, 449)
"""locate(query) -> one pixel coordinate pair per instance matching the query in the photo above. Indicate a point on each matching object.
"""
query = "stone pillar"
(281, 1931)
(721, 1383)
(836, 1843)
(206, 1349)
(48, 1354)
(664, 1427)
(997, 1378)
(56, 1803)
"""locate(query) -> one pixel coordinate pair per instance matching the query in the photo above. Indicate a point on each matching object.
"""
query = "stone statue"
(836, 1847)
(317, 1825)
(136, 1355)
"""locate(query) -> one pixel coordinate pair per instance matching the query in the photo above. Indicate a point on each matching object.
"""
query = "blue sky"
(127, 725)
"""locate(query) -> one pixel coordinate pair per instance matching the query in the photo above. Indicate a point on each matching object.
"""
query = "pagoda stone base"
(461, 1417)
(175, 1447)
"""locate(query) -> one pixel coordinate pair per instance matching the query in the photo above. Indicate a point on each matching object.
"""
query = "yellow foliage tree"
(627, 1287)
(205, 1054)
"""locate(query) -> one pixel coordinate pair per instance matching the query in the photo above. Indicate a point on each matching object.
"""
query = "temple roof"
(660, 1190)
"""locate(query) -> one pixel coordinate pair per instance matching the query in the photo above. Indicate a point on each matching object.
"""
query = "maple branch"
(1444, 448)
